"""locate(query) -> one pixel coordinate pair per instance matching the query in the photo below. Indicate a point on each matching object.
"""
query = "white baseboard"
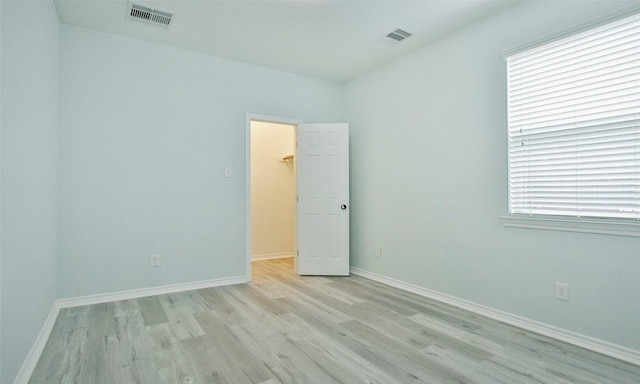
(144, 292)
(29, 364)
(587, 342)
(271, 256)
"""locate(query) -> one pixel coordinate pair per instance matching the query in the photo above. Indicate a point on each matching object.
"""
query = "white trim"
(271, 256)
(29, 363)
(145, 292)
(249, 117)
(590, 343)
(617, 228)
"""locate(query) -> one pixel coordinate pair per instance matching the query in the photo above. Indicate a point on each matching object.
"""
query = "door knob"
(343, 207)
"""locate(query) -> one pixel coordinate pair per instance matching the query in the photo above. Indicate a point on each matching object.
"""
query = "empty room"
(319, 191)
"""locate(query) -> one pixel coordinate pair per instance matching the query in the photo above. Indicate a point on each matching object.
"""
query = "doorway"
(273, 199)
(271, 189)
(321, 190)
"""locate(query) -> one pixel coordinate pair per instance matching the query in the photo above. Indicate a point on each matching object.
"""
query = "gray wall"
(29, 154)
(146, 131)
(429, 181)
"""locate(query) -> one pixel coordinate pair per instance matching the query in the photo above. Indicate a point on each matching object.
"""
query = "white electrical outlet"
(562, 291)
(378, 252)
(228, 171)
(154, 261)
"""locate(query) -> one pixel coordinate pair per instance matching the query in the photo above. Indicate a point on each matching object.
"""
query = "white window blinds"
(574, 116)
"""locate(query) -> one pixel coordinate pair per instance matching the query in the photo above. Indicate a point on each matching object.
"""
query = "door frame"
(249, 117)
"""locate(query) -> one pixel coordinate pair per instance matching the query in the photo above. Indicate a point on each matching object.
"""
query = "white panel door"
(323, 199)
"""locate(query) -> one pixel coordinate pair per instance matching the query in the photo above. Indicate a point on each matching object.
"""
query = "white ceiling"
(331, 40)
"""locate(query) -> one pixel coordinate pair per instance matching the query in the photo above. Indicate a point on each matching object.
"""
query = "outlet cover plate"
(154, 261)
(562, 291)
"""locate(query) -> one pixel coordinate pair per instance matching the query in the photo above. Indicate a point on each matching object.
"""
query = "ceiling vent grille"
(150, 15)
(399, 35)
(394, 38)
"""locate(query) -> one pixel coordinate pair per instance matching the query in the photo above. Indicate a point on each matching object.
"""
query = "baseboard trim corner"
(29, 363)
(153, 291)
(606, 348)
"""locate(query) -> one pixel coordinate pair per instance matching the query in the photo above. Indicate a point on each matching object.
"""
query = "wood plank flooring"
(283, 328)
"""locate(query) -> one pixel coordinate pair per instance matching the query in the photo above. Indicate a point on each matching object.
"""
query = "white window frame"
(602, 225)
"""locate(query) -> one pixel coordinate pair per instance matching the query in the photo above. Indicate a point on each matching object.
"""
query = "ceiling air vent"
(398, 35)
(394, 37)
(150, 15)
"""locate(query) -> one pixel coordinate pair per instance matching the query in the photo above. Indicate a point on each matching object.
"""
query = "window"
(574, 126)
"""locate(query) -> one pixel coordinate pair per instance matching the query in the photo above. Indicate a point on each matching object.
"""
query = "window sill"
(618, 228)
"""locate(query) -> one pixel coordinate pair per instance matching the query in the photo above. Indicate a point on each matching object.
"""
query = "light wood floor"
(282, 328)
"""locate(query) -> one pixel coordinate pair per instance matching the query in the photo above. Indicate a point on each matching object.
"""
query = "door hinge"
(297, 252)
